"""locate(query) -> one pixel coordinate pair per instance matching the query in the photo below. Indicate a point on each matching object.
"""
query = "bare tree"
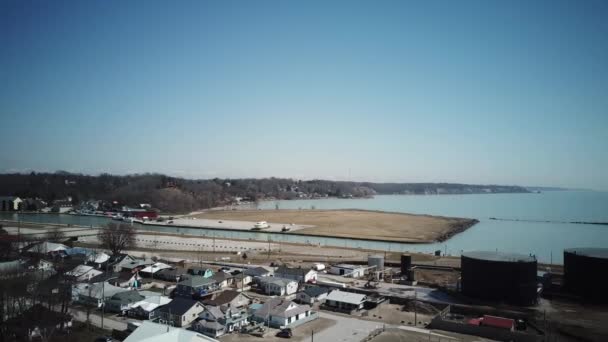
(117, 237)
(54, 235)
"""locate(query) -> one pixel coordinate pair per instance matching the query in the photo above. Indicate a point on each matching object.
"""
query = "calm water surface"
(546, 240)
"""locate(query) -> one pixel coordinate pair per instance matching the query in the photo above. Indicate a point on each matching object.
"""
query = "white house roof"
(151, 303)
(98, 290)
(349, 266)
(277, 281)
(346, 297)
(154, 332)
(47, 247)
(10, 266)
(82, 272)
(99, 258)
(155, 267)
(281, 307)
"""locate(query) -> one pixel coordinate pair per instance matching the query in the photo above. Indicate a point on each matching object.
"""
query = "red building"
(139, 213)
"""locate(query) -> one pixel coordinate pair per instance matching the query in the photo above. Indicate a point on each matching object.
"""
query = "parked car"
(285, 333)
(104, 339)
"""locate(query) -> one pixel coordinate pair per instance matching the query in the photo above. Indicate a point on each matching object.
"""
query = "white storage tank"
(376, 260)
(318, 266)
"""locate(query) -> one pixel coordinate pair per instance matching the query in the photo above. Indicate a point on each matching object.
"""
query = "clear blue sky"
(507, 92)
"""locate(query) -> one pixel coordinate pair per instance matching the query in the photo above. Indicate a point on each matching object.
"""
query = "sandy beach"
(361, 224)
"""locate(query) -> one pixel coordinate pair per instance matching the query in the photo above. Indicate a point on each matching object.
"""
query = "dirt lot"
(399, 335)
(354, 223)
(393, 314)
(437, 277)
(301, 333)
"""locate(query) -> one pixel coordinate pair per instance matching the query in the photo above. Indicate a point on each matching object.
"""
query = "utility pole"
(415, 308)
(103, 296)
(268, 247)
(312, 336)
(103, 301)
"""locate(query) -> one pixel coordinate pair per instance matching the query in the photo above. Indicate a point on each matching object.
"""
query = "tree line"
(173, 194)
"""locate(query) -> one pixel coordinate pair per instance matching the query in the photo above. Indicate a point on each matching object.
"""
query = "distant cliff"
(182, 195)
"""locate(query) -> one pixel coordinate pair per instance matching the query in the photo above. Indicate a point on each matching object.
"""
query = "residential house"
(123, 301)
(217, 321)
(146, 308)
(150, 271)
(94, 294)
(312, 294)
(45, 265)
(131, 264)
(301, 275)
(103, 277)
(228, 299)
(195, 286)
(99, 260)
(258, 272)
(344, 301)
(201, 271)
(209, 328)
(278, 286)
(155, 332)
(10, 203)
(281, 313)
(241, 280)
(175, 262)
(170, 274)
(347, 270)
(126, 279)
(47, 247)
(11, 268)
(83, 273)
(179, 312)
(223, 279)
(115, 262)
(62, 205)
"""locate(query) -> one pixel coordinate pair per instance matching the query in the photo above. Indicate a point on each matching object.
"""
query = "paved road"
(108, 323)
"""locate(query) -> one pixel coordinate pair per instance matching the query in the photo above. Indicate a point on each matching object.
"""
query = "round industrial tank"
(406, 263)
(585, 272)
(376, 260)
(505, 277)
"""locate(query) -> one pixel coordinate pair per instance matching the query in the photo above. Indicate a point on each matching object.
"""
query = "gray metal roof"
(178, 306)
(277, 281)
(292, 271)
(498, 256)
(346, 297)
(258, 271)
(600, 253)
(196, 281)
(315, 291)
(128, 296)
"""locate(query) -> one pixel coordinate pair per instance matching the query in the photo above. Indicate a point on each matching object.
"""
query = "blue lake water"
(545, 240)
